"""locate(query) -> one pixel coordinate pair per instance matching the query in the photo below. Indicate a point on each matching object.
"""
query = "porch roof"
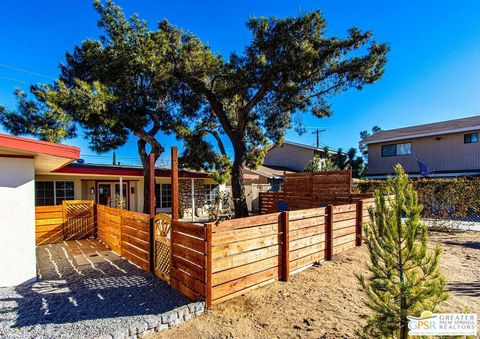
(119, 170)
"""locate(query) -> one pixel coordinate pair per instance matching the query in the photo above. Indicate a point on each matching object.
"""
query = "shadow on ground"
(470, 289)
(475, 245)
(67, 293)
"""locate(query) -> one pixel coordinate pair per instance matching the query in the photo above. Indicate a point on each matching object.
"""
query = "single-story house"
(105, 183)
(264, 178)
(21, 160)
(441, 149)
(37, 173)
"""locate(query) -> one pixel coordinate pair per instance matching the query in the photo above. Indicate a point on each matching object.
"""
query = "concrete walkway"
(84, 290)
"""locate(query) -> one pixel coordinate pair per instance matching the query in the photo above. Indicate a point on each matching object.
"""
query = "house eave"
(420, 135)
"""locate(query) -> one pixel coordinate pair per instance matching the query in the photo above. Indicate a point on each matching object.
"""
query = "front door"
(107, 191)
(105, 194)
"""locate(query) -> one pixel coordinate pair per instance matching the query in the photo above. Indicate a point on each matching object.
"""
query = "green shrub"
(442, 199)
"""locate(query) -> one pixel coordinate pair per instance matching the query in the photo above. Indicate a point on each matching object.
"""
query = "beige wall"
(82, 185)
(290, 156)
(447, 154)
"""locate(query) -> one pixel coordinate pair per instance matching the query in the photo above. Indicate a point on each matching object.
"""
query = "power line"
(27, 71)
(13, 79)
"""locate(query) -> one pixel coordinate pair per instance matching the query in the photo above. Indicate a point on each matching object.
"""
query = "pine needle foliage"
(404, 275)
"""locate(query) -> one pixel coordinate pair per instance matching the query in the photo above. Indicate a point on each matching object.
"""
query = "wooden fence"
(250, 252)
(189, 260)
(126, 233)
(48, 224)
(309, 190)
(219, 261)
(72, 220)
(268, 201)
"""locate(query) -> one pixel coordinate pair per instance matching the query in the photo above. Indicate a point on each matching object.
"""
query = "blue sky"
(432, 73)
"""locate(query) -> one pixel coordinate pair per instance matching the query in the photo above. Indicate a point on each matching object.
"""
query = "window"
(44, 193)
(163, 195)
(53, 192)
(470, 138)
(397, 149)
(211, 193)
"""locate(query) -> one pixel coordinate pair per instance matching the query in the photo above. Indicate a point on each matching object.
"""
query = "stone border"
(159, 322)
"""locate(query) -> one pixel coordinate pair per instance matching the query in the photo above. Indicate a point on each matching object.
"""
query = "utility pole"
(317, 132)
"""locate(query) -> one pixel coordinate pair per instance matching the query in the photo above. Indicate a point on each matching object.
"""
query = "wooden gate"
(162, 246)
(78, 219)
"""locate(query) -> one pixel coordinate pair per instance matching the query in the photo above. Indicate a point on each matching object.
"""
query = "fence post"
(359, 223)
(174, 179)
(284, 219)
(151, 200)
(208, 271)
(329, 232)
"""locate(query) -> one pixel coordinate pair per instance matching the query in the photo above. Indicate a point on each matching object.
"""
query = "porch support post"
(174, 180)
(193, 199)
(121, 192)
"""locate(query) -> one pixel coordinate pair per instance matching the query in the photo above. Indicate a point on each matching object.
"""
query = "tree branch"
(219, 141)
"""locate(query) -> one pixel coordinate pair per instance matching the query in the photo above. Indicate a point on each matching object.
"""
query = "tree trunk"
(238, 189)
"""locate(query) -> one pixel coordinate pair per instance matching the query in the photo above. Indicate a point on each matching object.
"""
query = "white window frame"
(211, 189)
(160, 196)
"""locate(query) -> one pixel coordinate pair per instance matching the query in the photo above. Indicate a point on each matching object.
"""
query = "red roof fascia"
(127, 172)
(38, 147)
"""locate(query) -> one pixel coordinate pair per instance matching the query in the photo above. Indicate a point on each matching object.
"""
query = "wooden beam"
(284, 219)
(174, 179)
(208, 271)
(151, 174)
(329, 232)
(151, 200)
(359, 224)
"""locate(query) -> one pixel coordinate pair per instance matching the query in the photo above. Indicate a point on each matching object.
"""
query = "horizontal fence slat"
(244, 282)
(244, 234)
(246, 222)
(220, 251)
(245, 258)
(188, 241)
(194, 230)
(244, 270)
(188, 280)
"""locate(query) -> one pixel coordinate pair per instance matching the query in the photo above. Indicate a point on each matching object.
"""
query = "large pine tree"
(404, 278)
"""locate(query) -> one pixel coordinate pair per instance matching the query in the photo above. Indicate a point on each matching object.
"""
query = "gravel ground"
(71, 301)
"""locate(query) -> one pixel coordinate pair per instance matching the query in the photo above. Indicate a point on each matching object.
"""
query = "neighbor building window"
(397, 149)
(470, 138)
(163, 195)
(211, 193)
(53, 192)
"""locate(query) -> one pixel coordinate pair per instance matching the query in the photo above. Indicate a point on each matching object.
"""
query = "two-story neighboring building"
(447, 148)
(292, 155)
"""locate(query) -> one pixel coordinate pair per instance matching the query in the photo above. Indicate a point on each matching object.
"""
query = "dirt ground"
(324, 301)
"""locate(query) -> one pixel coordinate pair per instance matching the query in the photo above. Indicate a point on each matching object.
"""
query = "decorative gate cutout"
(78, 219)
(163, 252)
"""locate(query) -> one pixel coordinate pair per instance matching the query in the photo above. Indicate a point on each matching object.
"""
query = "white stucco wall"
(17, 221)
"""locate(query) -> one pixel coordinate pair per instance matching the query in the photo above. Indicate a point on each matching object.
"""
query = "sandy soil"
(324, 301)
